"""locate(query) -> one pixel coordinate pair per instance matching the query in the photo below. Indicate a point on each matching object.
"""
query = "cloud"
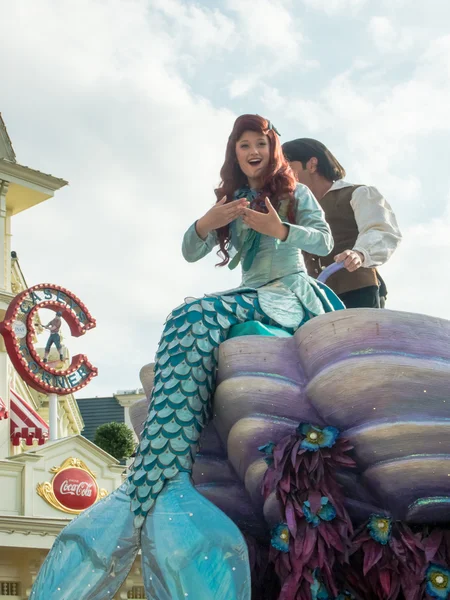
(133, 101)
(271, 38)
(381, 124)
(142, 153)
(388, 39)
(269, 27)
(243, 85)
(392, 135)
(418, 277)
(436, 61)
(383, 33)
(334, 7)
(197, 28)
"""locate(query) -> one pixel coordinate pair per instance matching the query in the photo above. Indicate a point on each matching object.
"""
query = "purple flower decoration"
(438, 582)
(268, 451)
(326, 512)
(280, 537)
(316, 438)
(379, 527)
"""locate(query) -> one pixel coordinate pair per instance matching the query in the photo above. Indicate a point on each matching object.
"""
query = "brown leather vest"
(341, 219)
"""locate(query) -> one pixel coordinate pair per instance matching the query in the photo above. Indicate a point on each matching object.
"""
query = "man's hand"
(352, 259)
(267, 224)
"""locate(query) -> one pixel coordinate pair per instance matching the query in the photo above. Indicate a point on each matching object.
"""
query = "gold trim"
(45, 490)
(73, 462)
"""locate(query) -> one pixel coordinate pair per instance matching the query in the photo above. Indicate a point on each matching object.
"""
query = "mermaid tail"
(190, 549)
(92, 556)
(180, 406)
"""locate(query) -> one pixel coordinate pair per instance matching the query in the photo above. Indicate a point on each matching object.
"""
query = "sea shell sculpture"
(381, 377)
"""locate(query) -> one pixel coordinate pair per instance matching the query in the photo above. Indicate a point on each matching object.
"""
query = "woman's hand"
(267, 224)
(352, 259)
(219, 215)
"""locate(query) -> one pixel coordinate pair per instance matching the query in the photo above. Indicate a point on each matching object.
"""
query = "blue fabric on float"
(256, 328)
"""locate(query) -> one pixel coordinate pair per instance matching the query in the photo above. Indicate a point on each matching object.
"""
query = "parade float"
(320, 457)
(330, 449)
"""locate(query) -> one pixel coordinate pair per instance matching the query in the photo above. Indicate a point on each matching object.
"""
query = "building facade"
(44, 483)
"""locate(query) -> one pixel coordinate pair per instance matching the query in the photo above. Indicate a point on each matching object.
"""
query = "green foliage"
(116, 439)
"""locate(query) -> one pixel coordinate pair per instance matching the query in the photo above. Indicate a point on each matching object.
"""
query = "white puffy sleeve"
(379, 234)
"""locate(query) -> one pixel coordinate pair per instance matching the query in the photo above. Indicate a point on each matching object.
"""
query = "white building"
(32, 509)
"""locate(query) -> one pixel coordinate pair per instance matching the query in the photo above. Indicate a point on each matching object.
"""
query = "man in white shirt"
(363, 224)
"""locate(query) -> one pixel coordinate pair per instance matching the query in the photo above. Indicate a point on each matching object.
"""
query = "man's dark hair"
(304, 149)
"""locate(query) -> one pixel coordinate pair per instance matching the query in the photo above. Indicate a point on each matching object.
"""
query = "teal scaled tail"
(185, 368)
(190, 549)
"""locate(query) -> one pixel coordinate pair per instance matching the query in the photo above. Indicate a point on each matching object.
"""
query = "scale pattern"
(180, 407)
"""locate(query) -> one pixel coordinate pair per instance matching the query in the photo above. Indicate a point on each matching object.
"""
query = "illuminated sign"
(19, 332)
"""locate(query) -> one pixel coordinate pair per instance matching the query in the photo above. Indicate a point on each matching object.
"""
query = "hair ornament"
(272, 126)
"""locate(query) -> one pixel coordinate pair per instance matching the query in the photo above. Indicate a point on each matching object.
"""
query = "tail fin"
(191, 550)
(93, 555)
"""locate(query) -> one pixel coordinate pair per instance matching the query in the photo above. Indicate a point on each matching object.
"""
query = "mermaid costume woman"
(190, 549)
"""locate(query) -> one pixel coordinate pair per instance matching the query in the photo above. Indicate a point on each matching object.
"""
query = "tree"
(116, 439)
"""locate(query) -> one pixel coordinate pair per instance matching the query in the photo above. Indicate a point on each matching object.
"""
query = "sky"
(132, 102)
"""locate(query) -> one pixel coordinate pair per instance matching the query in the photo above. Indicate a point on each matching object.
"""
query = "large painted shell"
(381, 377)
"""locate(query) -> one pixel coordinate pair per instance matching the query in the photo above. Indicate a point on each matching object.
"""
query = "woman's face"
(253, 155)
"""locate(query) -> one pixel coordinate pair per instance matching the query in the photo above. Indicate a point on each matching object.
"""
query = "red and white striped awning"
(26, 424)
(3, 410)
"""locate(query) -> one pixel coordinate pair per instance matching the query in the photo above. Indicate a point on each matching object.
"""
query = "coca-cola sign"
(73, 488)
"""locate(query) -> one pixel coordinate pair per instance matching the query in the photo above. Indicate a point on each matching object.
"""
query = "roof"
(98, 411)
(27, 187)
(6, 147)
(33, 175)
(37, 451)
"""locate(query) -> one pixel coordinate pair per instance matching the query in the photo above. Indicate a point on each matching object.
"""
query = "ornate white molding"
(6, 297)
(32, 525)
(4, 184)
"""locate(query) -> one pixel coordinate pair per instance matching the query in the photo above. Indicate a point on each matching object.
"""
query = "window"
(10, 588)
(136, 592)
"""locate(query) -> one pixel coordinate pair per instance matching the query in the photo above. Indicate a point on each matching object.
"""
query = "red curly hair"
(278, 180)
